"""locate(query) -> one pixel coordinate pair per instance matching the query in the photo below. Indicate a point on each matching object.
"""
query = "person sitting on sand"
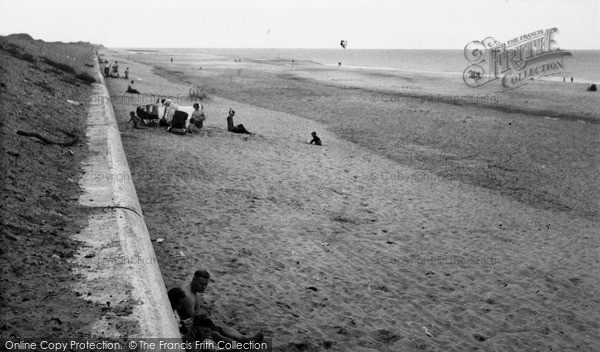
(176, 296)
(137, 122)
(192, 128)
(198, 116)
(193, 305)
(316, 140)
(131, 90)
(232, 128)
(115, 70)
(204, 328)
(169, 110)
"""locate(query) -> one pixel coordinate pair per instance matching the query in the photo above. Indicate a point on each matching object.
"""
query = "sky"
(365, 24)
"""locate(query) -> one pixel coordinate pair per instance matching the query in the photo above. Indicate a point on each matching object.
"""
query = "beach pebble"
(479, 337)
(160, 240)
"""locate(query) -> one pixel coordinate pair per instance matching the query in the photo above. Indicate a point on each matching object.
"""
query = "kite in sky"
(343, 43)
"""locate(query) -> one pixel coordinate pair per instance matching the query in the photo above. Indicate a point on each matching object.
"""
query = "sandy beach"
(431, 226)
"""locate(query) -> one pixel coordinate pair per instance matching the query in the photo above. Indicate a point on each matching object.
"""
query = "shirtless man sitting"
(193, 305)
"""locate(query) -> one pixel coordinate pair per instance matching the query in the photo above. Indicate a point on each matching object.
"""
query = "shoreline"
(459, 72)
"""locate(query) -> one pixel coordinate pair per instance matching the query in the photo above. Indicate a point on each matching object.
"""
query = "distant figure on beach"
(115, 69)
(564, 79)
(571, 79)
(137, 122)
(107, 69)
(235, 129)
(131, 90)
(195, 316)
(316, 140)
(339, 64)
(127, 73)
(171, 59)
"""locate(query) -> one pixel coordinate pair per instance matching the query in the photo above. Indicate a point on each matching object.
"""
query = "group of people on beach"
(196, 322)
(112, 70)
(178, 121)
(175, 119)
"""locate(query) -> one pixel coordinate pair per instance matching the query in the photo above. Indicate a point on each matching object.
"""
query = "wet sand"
(416, 226)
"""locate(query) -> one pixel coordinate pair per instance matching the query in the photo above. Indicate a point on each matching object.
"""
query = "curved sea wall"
(117, 260)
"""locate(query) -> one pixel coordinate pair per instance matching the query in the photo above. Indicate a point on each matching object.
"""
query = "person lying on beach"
(131, 90)
(235, 129)
(193, 305)
(137, 122)
(316, 140)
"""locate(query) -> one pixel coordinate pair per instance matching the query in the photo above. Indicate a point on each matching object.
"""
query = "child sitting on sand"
(193, 127)
(316, 140)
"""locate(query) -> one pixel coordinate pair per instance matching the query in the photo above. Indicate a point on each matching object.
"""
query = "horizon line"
(290, 48)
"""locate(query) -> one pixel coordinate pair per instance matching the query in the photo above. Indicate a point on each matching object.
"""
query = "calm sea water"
(584, 65)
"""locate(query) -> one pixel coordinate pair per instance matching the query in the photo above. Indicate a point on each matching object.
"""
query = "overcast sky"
(365, 24)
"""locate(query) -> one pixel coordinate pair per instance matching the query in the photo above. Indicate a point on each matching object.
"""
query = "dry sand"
(359, 245)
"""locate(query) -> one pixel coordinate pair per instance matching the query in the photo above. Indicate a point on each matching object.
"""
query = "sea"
(583, 65)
